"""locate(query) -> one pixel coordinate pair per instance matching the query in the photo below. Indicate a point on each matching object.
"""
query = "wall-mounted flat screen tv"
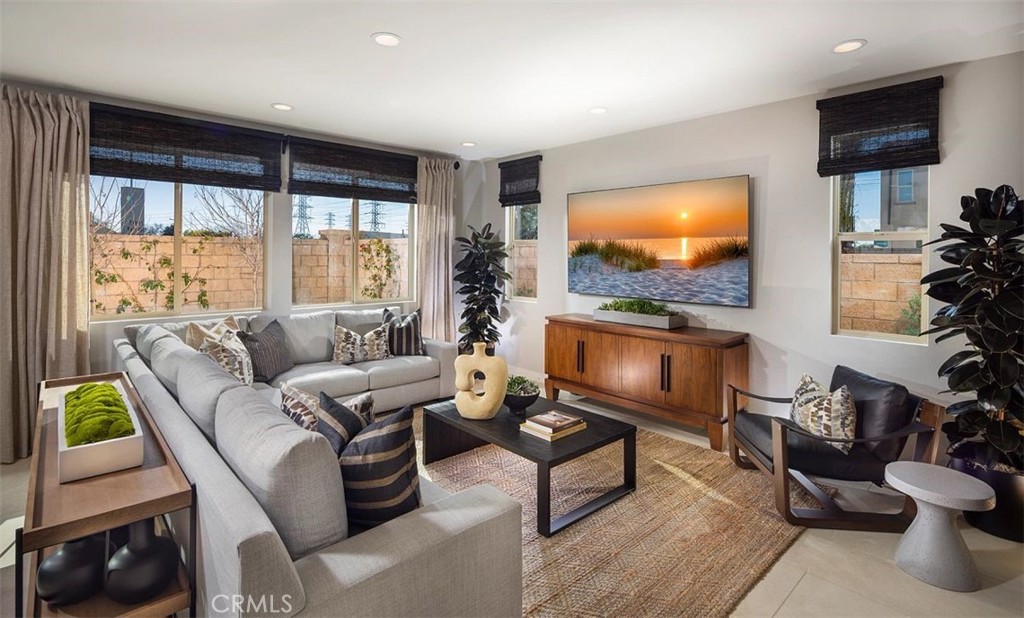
(685, 242)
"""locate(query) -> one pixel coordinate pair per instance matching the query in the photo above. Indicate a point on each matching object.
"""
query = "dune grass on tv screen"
(719, 250)
(630, 257)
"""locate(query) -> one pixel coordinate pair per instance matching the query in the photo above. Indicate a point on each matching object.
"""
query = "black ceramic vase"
(517, 404)
(141, 569)
(73, 573)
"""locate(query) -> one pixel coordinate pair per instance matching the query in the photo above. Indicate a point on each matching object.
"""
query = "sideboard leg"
(715, 429)
(550, 391)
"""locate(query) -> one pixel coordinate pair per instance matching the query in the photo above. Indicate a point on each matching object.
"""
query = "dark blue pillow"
(338, 423)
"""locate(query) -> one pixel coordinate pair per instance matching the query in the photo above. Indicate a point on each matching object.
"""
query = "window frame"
(838, 237)
(354, 262)
(178, 236)
(512, 243)
(898, 200)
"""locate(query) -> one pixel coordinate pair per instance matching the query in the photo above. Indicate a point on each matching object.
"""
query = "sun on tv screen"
(685, 242)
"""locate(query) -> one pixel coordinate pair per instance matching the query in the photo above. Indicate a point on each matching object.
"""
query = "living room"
(286, 195)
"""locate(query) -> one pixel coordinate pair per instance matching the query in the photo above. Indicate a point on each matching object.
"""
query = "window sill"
(863, 335)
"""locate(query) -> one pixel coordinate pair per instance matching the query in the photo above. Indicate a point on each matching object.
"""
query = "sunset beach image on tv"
(686, 242)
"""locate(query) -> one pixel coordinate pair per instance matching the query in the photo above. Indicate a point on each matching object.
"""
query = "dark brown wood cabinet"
(680, 374)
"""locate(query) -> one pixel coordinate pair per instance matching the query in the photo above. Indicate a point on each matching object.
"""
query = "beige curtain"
(44, 273)
(435, 246)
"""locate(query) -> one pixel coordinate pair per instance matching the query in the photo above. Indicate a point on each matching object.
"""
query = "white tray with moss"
(98, 432)
(637, 312)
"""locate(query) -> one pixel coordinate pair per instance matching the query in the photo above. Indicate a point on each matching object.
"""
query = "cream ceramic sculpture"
(495, 369)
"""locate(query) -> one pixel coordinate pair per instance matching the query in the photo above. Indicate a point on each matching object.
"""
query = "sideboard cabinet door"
(693, 378)
(562, 349)
(600, 360)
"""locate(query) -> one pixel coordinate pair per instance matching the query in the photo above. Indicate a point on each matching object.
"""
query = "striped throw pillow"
(351, 347)
(379, 471)
(340, 422)
(405, 337)
(268, 350)
(230, 353)
(825, 414)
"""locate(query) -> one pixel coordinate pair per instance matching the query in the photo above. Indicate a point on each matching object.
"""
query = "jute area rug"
(694, 537)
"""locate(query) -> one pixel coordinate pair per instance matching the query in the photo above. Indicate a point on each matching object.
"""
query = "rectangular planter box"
(638, 319)
(79, 462)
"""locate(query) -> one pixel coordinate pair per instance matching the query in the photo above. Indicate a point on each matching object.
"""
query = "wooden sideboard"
(680, 374)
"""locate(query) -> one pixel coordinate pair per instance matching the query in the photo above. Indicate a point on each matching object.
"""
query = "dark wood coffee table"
(445, 433)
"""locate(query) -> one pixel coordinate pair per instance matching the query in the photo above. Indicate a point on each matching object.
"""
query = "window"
(878, 254)
(522, 250)
(904, 186)
(167, 247)
(329, 268)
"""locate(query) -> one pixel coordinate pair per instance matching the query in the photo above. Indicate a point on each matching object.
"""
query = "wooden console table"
(56, 513)
(680, 374)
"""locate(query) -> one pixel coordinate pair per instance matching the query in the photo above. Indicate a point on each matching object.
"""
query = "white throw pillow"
(196, 333)
(231, 354)
(825, 414)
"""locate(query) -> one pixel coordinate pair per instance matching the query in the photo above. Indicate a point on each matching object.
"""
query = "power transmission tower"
(376, 219)
(301, 216)
(330, 220)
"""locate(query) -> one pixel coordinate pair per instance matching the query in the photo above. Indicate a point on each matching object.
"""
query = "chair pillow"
(882, 407)
(196, 333)
(230, 353)
(268, 350)
(351, 347)
(825, 414)
(405, 336)
(379, 471)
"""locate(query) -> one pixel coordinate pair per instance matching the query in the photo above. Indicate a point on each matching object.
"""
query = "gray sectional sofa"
(273, 533)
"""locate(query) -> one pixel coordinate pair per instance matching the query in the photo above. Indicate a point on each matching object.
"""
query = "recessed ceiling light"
(851, 45)
(598, 110)
(387, 39)
(469, 144)
(282, 107)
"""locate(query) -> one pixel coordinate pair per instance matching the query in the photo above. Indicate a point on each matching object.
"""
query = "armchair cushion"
(811, 456)
(882, 407)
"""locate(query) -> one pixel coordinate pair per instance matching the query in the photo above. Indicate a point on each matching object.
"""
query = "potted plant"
(639, 313)
(984, 290)
(482, 275)
(520, 394)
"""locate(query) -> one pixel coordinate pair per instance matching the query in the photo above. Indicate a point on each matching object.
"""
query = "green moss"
(636, 305)
(95, 412)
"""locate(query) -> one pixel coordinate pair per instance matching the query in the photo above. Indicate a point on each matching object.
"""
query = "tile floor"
(825, 573)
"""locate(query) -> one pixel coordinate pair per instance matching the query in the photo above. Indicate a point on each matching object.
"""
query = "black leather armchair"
(887, 415)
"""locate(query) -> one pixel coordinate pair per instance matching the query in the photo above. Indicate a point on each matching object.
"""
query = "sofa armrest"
(459, 556)
(446, 354)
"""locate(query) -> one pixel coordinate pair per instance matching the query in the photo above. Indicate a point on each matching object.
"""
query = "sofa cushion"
(148, 335)
(292, 473)
(271, 394)
(167, 357)
(405, 337)
(203, 382)
(268, 350)
(310, 336)
(379, 468)
(351, 347)
(399, 370)
(361, 321)
(335, 380)
(882, 407)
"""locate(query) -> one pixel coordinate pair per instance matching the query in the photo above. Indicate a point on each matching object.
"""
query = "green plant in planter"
(984, 290)
(482, 275)
(519, 385)
(636, 305)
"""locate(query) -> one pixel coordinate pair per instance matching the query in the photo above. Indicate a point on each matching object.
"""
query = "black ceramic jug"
(73, 573)
(141, 569)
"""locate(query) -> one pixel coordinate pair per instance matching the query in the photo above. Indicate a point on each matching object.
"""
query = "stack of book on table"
(551, 426)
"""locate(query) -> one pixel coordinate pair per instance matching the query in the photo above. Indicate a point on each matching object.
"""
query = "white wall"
(982, 124)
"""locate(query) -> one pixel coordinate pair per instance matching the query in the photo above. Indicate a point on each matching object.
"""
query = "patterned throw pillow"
(379, 471)
(230, 353)
(308, 410)
(405, 337)
(825, 414)
(351, 347)
(196, 334)
(268, 350)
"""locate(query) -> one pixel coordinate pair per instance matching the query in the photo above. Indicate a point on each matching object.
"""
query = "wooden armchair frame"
(926, 426)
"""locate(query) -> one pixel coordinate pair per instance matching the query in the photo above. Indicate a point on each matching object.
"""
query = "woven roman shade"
(520, 182)
(337, 170)
(131, 143)
(881, 129)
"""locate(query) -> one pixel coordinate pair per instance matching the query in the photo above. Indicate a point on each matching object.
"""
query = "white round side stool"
(932, 549)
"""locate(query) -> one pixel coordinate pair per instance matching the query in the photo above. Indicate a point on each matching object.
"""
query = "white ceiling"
(510, 76)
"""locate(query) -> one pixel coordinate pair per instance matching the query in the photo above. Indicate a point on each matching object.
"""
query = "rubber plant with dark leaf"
(481, 274)
(984, 289)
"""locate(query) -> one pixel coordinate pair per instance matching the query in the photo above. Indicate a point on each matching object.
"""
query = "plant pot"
(517, 404)
(141, 569)
(1006, 521)
(664, 322)
(73, 573)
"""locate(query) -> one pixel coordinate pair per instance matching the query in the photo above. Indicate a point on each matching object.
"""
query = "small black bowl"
(517, 404)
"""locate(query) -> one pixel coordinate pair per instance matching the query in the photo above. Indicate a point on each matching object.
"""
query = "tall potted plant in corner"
(481, 274)
(984, 290)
